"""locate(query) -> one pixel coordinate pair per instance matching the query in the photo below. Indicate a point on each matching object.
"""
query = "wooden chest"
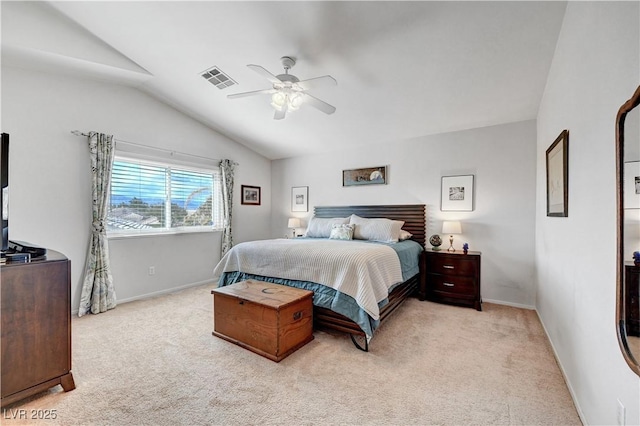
(269, 319)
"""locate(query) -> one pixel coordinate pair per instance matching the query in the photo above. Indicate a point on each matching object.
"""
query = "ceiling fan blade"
(321, 105)
(266, 74)
(325, 80)
(255, 92)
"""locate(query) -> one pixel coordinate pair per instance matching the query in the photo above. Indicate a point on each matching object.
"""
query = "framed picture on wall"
(365, 176)
(300, 199)
(558, 176)
(457, 194)
(250, 195)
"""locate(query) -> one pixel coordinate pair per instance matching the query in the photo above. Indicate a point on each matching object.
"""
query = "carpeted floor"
(155, 362)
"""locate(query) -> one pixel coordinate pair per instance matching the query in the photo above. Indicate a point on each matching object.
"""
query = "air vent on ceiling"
(218, 78)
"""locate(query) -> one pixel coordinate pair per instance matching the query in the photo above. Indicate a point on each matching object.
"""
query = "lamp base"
(451, 244)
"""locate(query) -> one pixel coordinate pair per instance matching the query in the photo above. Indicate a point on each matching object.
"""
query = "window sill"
(124, 236)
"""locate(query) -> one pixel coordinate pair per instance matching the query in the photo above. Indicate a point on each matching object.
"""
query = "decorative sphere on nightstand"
(435, 241)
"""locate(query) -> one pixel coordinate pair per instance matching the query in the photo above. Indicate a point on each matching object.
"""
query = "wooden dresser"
(632, 302)
(36, 327)
(453, 277)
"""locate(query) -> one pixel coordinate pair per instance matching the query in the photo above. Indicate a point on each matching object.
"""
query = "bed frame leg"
(357, 345)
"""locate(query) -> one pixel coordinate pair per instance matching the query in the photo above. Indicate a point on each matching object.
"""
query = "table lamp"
(293, 223)
(451, 227)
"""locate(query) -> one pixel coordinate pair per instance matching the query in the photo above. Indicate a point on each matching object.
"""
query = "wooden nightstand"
(632, 302)
(453, 277)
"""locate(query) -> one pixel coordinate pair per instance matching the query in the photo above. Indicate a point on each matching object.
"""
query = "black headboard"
(413, 215)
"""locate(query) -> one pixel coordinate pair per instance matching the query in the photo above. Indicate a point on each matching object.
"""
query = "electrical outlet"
(152, 270)
(621, 414)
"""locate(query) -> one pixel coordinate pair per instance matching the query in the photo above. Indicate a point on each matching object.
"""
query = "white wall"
(502, 158)
(595, 70)
(50, 198)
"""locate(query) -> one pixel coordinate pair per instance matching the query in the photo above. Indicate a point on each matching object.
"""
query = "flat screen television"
(4, 193)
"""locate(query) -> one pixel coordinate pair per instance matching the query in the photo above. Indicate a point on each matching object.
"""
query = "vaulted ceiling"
(403, 69)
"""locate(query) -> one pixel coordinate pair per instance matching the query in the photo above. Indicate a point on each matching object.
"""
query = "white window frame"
(177, 165)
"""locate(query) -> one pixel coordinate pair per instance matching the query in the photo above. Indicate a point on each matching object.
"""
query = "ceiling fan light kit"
(286, 100)
(288, 92)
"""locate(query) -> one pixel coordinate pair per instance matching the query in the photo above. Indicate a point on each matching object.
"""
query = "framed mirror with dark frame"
(628, 256)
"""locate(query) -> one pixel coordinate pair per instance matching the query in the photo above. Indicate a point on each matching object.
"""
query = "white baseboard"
(158, 293)
(564, 375)
(555, 353)
(515, 305)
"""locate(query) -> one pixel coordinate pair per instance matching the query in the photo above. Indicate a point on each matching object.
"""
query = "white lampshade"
(451, 227)
(295, 100)
(278, 100)
(294, 222)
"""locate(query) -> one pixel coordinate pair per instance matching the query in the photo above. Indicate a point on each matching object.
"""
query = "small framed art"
(457, 194)
(250, 195)
(558, 176)
(365, 176)
(300, 199)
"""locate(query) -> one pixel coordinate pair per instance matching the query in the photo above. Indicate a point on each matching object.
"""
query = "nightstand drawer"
(452, 265)
(458, 285)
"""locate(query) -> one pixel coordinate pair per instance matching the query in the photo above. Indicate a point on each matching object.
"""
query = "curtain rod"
(169, 151)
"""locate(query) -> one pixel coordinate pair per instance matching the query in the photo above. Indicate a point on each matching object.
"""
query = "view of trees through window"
(157, 197)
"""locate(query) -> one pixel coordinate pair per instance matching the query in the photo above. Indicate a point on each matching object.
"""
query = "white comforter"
(361, 270)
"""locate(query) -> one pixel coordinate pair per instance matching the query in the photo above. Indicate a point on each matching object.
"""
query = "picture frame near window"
(251, 195)
(365, 176)
(557, 159)
(632, 185)
(300, 199)
(457, 193)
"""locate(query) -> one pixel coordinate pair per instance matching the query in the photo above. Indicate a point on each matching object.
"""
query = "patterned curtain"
(98, 294)
(227, 169)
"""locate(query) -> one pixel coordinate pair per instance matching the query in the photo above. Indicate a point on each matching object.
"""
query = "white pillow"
(321, 227)
(383, 230)
(341, 232)
(404, 235)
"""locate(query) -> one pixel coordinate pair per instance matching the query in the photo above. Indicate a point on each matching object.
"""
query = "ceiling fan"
(288, 92)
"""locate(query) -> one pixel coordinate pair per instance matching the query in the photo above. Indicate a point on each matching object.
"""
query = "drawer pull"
(297, 315)
(448, 267)
(448, 284)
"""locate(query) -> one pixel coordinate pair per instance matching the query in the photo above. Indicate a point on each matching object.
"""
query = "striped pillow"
(321, 227)
(383, 230)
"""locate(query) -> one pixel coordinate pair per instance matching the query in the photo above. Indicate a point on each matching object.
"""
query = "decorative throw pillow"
(404, 235)
(383, 230)
(321, 227)
(341, 232)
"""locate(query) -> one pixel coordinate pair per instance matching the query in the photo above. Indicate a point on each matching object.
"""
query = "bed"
(340, 304)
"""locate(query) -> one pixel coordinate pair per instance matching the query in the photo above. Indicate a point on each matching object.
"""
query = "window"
(153, 197)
